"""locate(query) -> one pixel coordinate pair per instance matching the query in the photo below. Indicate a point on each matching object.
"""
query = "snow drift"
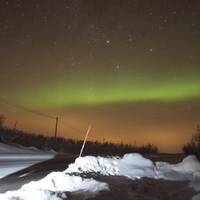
(133, 166)
(136, 166)
(188, 169)
(54, 186)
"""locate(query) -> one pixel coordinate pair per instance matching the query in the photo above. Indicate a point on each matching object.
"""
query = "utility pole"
(56, 129)
(15, 125)
(198, 128)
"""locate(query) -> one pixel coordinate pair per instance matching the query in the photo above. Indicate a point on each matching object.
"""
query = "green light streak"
(108, 90)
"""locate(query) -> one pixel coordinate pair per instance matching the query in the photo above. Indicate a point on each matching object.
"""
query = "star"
(22, 14)
(107, 41)
(130, 38)
(165, 20)
(117, 67)
(174, 12)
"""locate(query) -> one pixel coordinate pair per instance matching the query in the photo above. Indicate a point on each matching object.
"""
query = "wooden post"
(86, 136)
(56, 128)
(15, 125)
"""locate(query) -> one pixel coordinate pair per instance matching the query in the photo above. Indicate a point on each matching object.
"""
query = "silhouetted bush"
(44, 142)
(2, 120)
(193, 147)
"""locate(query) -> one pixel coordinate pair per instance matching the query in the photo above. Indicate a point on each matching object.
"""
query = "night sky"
(130, 68)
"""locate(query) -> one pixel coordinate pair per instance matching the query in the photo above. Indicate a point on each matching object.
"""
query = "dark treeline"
(193, 146)
(46, 143)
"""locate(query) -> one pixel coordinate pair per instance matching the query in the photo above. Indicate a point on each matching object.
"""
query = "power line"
(18, 106)
(71, 127)
(25, 108)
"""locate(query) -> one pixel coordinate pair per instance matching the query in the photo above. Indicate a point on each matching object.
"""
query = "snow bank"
(136, 166)
(54, 186)
(6, 148)
(133, 166)
(18, 149)
(15, 158)
(188, 169)
(105, 166)
(196, 197)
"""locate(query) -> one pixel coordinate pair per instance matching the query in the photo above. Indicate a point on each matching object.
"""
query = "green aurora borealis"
(129, 68)
(127, 89)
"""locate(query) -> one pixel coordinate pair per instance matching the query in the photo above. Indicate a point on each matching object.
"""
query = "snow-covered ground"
(58, 185)
(135, 166)
(54, 187)
(15, 158)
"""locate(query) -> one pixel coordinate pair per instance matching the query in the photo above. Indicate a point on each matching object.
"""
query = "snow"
(196, 197)
(105, 166)
(5, 148)
(131, 165)
(187, 169)
(15, 158)
(134, 166)
(53, 186)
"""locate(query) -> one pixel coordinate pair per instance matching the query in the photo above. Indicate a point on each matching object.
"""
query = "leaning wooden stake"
(86, 136)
